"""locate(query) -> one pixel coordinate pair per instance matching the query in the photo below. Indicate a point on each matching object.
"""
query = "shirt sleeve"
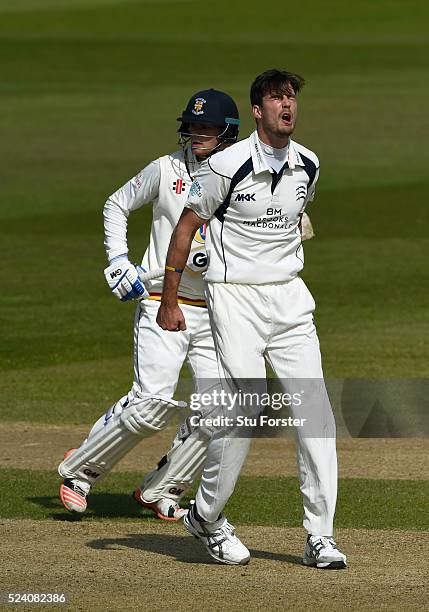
(312, 191)
(207, 192)
(140, 190)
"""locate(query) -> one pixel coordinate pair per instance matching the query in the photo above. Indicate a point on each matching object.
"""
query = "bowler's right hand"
(170, 318)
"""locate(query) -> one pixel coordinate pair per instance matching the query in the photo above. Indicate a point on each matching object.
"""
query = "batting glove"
(123, 279)
(307, 231)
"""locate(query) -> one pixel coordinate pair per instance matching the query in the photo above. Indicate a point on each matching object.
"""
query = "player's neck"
(276, 142)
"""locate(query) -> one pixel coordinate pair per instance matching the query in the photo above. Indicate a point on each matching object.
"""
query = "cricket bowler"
(253, 196)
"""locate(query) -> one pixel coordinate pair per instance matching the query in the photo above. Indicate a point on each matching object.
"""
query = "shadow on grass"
(100, 505)
(182, 548)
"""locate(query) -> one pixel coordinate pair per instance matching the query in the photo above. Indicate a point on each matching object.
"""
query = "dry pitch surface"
(133, 566)
(41, 448)
(110, 566)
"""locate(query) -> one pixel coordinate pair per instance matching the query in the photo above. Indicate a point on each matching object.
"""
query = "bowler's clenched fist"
(171, 318)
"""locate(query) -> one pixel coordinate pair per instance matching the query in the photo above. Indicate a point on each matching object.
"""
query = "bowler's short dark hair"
(274, 81)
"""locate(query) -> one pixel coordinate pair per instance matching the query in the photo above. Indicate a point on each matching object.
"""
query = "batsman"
(209, 124)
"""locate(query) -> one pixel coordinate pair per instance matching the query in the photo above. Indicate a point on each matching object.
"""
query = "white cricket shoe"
(322, 552)
(165, 508)
(219, 539)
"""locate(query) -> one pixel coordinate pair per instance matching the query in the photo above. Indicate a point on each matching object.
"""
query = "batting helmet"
(212, 107)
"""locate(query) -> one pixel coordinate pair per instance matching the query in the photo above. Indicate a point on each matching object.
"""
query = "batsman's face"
(203, 138)
(276, 117)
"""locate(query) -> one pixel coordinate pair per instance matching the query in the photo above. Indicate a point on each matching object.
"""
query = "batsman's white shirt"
(165, 182)
(158, 354)
(254, 236)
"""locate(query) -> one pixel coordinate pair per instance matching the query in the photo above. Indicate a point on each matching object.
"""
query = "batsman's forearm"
(177, 256)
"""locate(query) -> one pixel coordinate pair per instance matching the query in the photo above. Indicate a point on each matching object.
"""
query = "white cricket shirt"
(253, 236)
(275, 158)
(165, 182)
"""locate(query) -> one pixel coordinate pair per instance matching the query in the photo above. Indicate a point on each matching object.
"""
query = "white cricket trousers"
(251, 323)
(158, 359)
(159, 355)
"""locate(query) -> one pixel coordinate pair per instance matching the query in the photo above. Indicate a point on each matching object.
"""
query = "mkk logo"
(245, 197)
(116, 273)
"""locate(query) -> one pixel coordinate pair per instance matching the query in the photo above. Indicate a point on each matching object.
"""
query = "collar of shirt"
(258, 157)
(275, 158)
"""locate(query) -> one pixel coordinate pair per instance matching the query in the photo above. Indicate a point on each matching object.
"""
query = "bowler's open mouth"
(286, 117)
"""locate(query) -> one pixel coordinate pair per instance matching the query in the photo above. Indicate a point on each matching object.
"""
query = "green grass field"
(362, 503)
(90, 93)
